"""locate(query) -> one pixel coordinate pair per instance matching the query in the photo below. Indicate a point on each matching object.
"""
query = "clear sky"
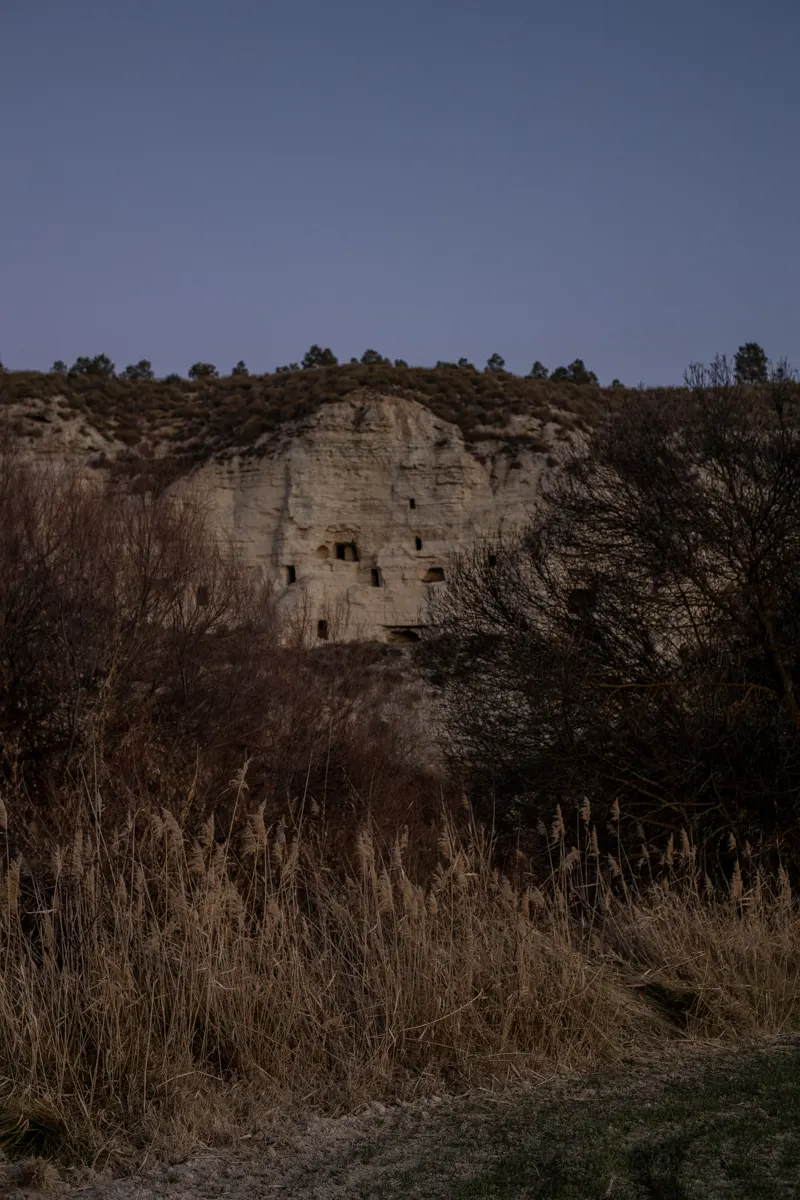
(616, 180)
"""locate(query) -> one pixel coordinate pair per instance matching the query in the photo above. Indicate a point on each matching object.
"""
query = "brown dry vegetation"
(197, 419)
(638, 641)
(228, 884)
(139, 653)
(161, 989)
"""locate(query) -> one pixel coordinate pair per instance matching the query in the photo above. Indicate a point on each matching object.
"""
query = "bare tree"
(116, 610)
(140, 656)
(640, 641)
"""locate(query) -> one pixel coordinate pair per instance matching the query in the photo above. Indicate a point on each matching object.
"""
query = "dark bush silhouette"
(576, 372)
(639, 642)
(317, 357)
(201, 370)
(751, 364)
(137, 371)
(100, 365)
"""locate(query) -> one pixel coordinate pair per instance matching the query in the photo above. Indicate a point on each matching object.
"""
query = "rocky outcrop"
(354, 515)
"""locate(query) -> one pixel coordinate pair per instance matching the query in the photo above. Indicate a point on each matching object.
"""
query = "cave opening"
(402, 635)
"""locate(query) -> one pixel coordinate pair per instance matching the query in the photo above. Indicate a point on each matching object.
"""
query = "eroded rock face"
(356, 514)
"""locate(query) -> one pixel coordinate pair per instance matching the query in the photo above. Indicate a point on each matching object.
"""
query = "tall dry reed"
(155, 986)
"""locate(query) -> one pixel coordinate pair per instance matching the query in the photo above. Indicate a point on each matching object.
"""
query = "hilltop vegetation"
(190, 420)
(196, 419)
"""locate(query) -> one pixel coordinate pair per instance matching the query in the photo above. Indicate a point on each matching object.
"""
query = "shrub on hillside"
(576, 372)
(101, 365)
(316, 356)
(203, 370)
(751, 364)
(135, 372)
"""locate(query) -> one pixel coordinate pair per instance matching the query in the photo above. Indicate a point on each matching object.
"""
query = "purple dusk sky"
(616, 180)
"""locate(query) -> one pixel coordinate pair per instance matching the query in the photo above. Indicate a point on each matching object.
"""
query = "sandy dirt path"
(671, 1128)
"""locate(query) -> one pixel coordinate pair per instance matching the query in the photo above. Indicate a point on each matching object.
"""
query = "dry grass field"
(234, 899)
(165, 992)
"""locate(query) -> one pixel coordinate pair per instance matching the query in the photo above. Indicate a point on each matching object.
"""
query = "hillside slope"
(197, 420)
(347, 487)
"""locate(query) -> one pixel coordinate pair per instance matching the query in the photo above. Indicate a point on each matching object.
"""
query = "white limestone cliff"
(355, 514)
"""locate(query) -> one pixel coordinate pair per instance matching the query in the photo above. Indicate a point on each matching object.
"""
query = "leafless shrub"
(640, 640)
(115, 610)
(137, 652)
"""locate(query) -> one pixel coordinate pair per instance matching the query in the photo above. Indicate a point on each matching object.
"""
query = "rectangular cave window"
(322, 630)
(201, 595)
(375, 577)
(412, 502)
(434, 575)
(492, 560)
(418, 542)
(347, 552)
(291, 575)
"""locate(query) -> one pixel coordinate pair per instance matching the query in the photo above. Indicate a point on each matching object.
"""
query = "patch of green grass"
(729, 1128)
(733, 1132)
